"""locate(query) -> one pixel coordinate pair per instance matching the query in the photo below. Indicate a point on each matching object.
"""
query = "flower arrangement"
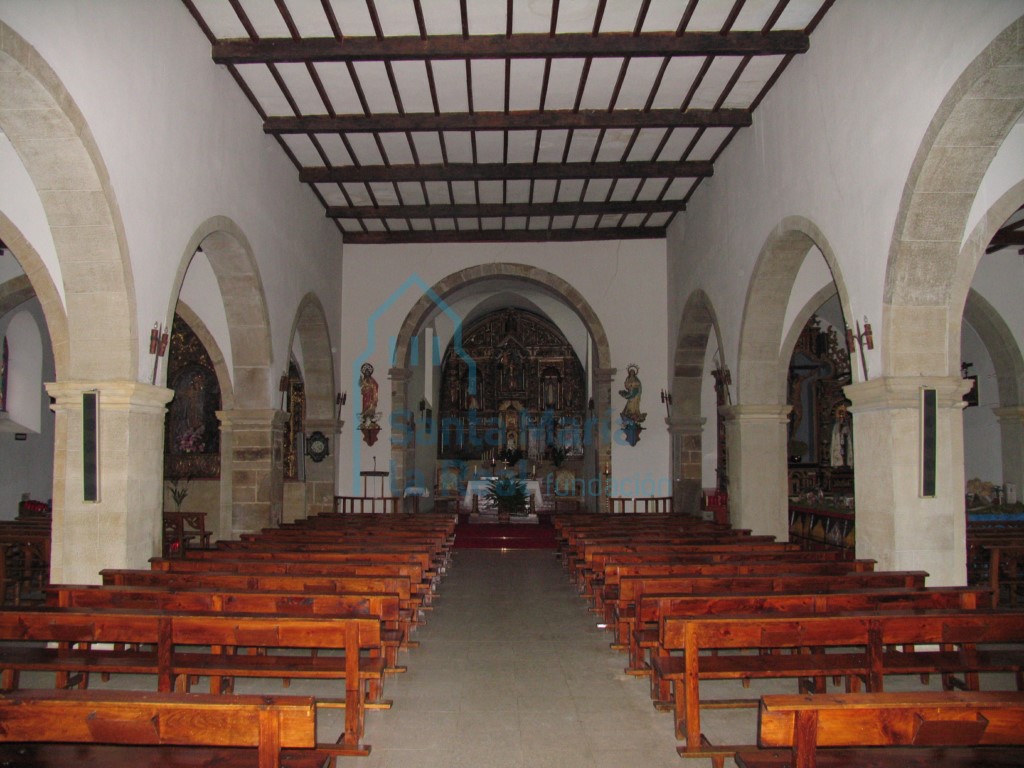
(179, 490)
(508, 495)
(191, 441)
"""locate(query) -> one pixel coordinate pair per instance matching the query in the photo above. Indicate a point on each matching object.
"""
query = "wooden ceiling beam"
(523, 46)
(470, 210)
(511, 121)
(503, 235)
(500, 172)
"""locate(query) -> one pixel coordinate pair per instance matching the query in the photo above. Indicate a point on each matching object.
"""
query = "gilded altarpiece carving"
(191, 428)
(295, 406)
(527, 394)
(820, 440)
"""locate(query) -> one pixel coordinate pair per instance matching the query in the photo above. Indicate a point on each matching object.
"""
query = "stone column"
(603, 424)
(252, 465)
(320, 476)
(758, 470)
(123, 529)
(403, 436)
(687, 463)
(1011, 433)
(896, 525)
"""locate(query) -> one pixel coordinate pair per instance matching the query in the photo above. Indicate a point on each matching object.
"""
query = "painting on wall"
(191, 428)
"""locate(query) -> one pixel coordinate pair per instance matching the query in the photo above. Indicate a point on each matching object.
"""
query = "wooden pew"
(414, 565)
(174, 647)
(262, 581)
(851, 727)
(395, 624)
(782, 577)
(863, 646)
(161, 729)
(652, 609)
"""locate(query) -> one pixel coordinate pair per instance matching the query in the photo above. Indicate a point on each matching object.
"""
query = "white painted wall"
(833, 142)
(20, 203)
(181, 144)
(982, 436)
(622, 281)
(26, 466)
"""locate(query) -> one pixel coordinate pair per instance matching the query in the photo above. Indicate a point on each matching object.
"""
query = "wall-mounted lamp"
(339, 401)
(864, 339)
(590, 405)
(666, 398)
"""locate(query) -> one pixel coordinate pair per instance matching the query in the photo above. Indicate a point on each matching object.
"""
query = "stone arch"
(54, 142)
(195, 322)
(314, 336)
(761, 352)
(527, 275)
(238, 277)
(756, 425)
(998, 339)
(696, 326)
(925, 282)
(522, 272)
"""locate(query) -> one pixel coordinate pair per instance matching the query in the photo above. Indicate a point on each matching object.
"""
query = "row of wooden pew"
(332, 598)
(690, 601)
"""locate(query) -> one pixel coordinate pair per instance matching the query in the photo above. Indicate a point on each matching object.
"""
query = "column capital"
(252, 418)
(113, 395)
(604, 374)
(399, 374)
(902, 392)
(1010, 414)
(686, 425)
(768, 412)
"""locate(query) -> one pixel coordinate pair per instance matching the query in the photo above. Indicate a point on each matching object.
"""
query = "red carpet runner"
(497, 536)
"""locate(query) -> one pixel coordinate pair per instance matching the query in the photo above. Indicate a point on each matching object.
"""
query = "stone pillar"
(687, 463)
(602, 426)
(403, 435)
(1011, 433)
(123, 529)
(320, 476)
(896, 525)
(252, 464)
(758, 470)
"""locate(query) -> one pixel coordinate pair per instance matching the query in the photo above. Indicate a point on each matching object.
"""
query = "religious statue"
(631, 417)
(841, 449)
(632, 391)
(368, 391)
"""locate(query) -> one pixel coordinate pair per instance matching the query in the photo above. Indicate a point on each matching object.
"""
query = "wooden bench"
(279, 582)
(864, 648)
(161, 729)
(175, 647)
(395, 623)
(719, 579)
(851, 727)
(421, 584)
(651, 609)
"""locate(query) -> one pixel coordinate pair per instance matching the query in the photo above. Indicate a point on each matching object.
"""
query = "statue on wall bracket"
(369, 423)
(631, 418)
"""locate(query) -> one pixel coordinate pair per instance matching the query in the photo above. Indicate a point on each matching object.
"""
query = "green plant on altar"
(179, 490)
(508, 495)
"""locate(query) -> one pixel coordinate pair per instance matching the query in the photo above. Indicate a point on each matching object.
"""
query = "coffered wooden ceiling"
(500, 120)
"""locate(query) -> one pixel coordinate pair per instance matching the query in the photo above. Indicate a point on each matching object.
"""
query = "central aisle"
(513, 671)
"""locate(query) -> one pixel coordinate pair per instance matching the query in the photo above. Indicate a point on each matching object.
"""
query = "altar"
(479, 488)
